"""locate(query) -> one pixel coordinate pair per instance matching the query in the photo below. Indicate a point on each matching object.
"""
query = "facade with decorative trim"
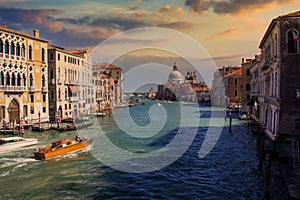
(23, 77)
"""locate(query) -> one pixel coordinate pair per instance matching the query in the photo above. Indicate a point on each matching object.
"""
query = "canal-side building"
(112, 75)
(103, 92)
(219, 96)
(255, 92)
(280, 84)
(116, 73)
(233, 88)
(70, 83)
(246, 86)
(23, 76)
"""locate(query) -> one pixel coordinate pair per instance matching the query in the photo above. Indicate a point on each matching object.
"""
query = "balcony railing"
(45, 88)
(73, 99)
(32, 88)
(8, 88)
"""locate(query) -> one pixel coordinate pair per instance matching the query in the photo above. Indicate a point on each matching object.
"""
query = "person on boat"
(77, 138)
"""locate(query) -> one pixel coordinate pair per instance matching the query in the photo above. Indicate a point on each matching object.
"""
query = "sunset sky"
(227, 29)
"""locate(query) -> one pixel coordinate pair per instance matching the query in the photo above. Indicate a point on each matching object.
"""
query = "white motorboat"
(11, 143)
(99, 114)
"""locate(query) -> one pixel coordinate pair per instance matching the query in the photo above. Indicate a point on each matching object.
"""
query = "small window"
(65, 58)
(235, 92)
(292, 41)
(58, 56)
(51, 74)
(52, 95)
(6, 47)
(44, 98)
(44, 109)
(32, 98)
(66, 106)
(30, 52)
(235, 81)
(248, 72)
(248, 87)
(51, 56)
(31, 110)
(43, 54)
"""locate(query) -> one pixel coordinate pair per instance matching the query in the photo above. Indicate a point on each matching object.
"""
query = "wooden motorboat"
(62, 147)
(11, 143)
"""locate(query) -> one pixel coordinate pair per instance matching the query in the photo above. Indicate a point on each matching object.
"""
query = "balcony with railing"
(73, 99)
(12, 57)
(8, 88)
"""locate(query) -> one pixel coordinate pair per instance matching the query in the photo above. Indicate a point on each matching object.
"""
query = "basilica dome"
(175, 77)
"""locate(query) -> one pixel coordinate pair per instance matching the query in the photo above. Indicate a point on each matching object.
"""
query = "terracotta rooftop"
(113, 67)
(292, 14)
(3, 27)
(235, 73)
(77, 51)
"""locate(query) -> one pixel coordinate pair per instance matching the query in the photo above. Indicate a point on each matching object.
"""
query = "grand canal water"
(229, 171)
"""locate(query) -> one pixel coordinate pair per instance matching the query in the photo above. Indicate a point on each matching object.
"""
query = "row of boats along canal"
(57, 148)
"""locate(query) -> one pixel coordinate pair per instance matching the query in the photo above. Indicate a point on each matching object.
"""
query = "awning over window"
(74, 88)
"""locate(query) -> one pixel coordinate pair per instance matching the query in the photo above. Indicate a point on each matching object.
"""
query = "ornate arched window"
(6, 47)
(1, 46)
(1, 78)
(23, 50)
(30, 52)
(7, 79)
(292, 37)
(13, 79)
(24, 80)
(19, 80)
(12, 48)
(18, 49)
(30, 80)
(43, 54)
(43, 81)
(66, 93)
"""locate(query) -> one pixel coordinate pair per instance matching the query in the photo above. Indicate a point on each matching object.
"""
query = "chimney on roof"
(243, 60)
(36, 33)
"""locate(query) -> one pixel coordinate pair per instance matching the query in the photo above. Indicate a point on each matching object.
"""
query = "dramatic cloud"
(82, 31)
(227, 6)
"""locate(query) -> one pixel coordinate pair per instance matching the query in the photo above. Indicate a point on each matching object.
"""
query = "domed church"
(179, 88)
(175, 77)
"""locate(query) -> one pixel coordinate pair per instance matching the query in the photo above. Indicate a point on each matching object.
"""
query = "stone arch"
(14, 111)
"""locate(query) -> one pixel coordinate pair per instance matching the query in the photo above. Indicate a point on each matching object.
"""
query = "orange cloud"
(171, 11)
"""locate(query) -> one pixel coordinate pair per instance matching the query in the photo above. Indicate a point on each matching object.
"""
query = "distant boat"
(99, 114)
(158, 104)
(62, 147)
(121, 105)
(11, 143)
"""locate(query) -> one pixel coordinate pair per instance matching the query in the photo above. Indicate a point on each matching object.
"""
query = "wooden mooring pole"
(268, 174)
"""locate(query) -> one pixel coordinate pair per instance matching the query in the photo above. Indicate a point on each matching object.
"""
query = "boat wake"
(11, 165)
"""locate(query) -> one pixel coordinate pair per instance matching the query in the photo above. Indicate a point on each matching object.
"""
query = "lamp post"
(230, 120)
(40, 126)
(31, 113)
(8, 111)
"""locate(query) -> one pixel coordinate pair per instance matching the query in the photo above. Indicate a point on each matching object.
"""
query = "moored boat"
(11, 143)
(62, 147)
